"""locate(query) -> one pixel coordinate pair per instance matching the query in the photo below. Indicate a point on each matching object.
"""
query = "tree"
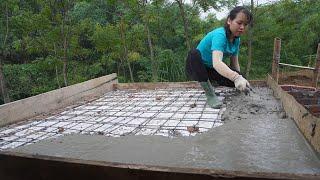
(145, 14)
(250, 38)
(185, 22)
(64, 8)
(124, 56)
(203, 4)
(7, 7)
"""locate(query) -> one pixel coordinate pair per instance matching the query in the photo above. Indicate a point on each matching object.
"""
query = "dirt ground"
(301, 77)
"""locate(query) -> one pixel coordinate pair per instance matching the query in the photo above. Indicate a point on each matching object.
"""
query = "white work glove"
(241, 83)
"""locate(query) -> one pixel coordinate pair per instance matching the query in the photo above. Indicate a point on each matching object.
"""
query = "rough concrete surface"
(257, 137)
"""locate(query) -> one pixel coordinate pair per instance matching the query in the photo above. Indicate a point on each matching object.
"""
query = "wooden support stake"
(276, 59)
(317, 68)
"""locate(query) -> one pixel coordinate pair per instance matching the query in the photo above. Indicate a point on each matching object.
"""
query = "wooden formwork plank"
(159, 85)
(25, 166)
(46, 102)
(308, 124)
(165, 85)
(317, 68)
(259, 83)
(276, 58)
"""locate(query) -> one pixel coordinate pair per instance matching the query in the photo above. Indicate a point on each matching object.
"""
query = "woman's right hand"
(241, 83)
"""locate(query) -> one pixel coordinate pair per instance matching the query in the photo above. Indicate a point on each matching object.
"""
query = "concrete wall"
(46, 102)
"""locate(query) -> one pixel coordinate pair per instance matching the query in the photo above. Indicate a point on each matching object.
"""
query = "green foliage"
(144, 74)
(292, 21)
(31, 79)
(171, 65)
(107, 36)
(134, 56)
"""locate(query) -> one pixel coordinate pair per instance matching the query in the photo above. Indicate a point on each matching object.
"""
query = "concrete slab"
(256, 137)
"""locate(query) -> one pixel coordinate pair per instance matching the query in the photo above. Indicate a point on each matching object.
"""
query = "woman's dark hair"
(233, 14)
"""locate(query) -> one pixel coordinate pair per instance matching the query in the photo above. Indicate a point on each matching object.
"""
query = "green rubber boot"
(212, 99)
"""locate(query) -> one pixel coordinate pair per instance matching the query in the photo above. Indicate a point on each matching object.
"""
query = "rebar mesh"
(166, 112)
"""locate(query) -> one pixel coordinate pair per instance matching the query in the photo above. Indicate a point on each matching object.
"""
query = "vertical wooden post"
(276, 59)
(317, 68)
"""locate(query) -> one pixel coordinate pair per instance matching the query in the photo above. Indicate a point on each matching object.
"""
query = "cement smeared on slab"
(256, 137)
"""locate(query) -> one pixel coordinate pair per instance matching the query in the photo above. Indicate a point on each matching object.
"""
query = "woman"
(205, 63)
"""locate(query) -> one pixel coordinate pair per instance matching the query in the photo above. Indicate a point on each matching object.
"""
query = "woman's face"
(238, 25)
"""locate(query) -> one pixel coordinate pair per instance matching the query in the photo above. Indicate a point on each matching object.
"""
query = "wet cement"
(257, 137)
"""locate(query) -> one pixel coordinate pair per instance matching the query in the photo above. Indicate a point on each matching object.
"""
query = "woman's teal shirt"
(217, 40)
